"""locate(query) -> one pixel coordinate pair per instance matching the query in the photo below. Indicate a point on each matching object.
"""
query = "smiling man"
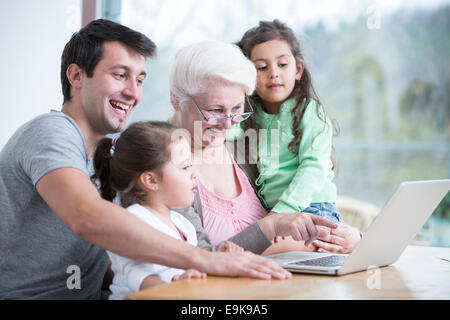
(102, 102)
(54, 225)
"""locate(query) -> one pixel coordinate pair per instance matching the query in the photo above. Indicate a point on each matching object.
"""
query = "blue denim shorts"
(325, 209)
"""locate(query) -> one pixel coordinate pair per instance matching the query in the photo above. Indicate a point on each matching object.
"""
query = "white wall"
(33, 35)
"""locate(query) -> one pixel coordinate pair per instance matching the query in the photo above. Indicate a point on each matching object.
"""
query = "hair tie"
(113, 146)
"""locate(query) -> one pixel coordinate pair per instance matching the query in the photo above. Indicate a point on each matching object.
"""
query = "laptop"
(387, 237)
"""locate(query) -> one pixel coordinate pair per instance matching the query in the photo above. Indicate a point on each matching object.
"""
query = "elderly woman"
(209, 84)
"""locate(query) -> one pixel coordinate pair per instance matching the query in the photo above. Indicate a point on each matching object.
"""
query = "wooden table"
(420, 273)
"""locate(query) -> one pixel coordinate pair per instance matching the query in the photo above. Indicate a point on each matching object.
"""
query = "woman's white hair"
(200, 64)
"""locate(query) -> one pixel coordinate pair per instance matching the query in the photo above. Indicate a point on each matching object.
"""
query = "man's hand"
(242, 264)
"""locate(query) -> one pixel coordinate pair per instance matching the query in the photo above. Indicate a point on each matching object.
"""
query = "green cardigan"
(290, 182)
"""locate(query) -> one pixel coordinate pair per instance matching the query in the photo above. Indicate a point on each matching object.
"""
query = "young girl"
(296, 172)
(151, 174)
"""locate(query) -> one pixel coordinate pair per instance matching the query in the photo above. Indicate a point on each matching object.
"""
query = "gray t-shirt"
(40, 256)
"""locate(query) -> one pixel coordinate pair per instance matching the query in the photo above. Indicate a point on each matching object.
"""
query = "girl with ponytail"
(149, 168)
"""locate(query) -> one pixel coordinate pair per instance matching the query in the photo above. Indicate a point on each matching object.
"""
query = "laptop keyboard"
(328, 261)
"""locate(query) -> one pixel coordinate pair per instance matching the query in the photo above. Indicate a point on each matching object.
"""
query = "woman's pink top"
(223, 218)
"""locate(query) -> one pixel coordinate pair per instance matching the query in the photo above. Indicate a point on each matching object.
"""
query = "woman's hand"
(228, 246)
(189, 274)
(343, 239)
(301, 227)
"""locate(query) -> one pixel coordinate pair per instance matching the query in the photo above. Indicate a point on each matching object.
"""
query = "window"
(381, 70)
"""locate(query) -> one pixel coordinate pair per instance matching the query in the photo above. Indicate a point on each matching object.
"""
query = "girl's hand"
(228, 246)
(189, 274)
(343, 239)
(277, 239)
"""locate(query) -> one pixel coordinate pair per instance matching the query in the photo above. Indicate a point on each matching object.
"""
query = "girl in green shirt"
(295, 160)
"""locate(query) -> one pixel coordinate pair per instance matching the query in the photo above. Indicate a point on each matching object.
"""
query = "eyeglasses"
(238, 117)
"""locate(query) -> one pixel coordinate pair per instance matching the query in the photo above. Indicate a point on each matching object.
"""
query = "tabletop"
(420, 273)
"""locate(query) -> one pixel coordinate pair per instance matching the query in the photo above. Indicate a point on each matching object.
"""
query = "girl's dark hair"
(303, 90)
(85, 48)
(140, 148)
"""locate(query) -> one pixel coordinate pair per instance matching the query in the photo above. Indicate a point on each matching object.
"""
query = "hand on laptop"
(343, 239)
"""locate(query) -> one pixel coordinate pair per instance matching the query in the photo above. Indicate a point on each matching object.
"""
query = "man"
(54, 224)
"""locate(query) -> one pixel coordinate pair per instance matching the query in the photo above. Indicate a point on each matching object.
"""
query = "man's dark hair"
(85, 47)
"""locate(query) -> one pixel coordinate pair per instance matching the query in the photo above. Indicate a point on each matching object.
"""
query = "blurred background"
(381, 69)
